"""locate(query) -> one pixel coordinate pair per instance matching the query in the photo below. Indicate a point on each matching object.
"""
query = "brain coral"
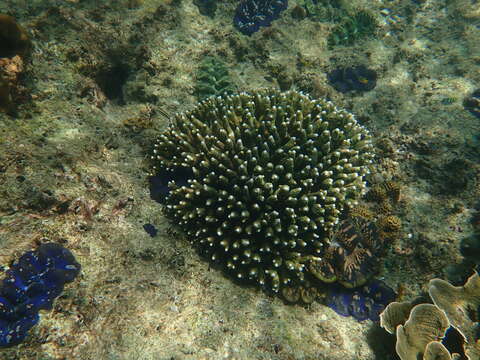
(272, 173)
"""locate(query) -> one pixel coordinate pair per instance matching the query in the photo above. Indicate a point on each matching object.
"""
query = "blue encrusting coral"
(366, 302)
(150, 230)
(32, 284)
(251, 15)
(357, 78)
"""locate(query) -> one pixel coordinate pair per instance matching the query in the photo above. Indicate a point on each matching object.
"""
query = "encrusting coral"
(32, 284)
(271, 175)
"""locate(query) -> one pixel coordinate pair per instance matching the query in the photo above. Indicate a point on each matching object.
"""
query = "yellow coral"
(389, 224)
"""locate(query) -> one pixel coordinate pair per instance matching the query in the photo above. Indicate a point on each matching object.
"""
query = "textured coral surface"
(32, 283)
(74, 169)
(272, 173)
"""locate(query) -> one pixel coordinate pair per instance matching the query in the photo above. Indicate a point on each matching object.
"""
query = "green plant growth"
(213, 78)
(352, 28)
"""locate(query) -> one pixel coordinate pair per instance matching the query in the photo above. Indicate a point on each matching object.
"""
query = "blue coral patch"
(32, 284)
(251, 15)
(150, 230)
(357, 78)
(365, 302)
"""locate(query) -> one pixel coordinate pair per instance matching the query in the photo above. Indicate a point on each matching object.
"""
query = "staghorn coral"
(272, 173)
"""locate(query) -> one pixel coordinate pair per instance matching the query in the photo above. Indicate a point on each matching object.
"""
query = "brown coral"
(354, 254)
(389, 224)
(396, 314)
(10, 70)
(386, 191)
(13, 38)
(461, 304)
(420, 335)
(14, 46)
(426, 323)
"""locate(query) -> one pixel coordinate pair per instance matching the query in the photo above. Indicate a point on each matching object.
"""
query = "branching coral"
(272, 174)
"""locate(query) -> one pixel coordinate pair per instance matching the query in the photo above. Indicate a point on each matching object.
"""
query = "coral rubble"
(32, 284)
(272, 174)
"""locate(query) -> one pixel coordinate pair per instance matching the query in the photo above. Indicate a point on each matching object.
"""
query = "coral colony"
(271, 175)
(251, 15)
(32, 284)
(447, 329)
(357, 78)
